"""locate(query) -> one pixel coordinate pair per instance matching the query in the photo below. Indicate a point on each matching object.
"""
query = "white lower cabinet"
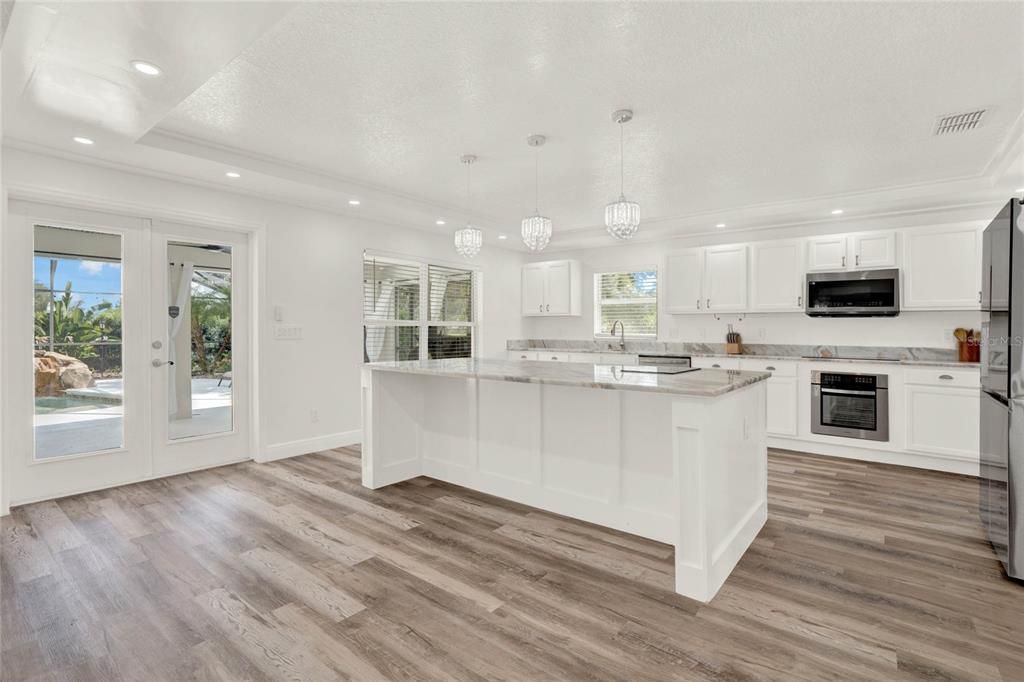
(943, 412)
(783, 394)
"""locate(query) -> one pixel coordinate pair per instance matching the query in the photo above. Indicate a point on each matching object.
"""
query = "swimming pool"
(51, 404)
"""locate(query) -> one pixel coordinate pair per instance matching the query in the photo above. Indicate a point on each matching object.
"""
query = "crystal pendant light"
(622, 218)
(536, 228)
(469, 239)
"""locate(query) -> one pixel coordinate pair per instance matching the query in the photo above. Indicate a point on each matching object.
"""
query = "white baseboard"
(294, 448)
(954, 465)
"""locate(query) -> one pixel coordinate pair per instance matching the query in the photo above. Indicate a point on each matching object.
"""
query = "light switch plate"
(287, 332)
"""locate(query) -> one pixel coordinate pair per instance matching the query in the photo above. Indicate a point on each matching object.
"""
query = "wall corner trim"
(306, 446)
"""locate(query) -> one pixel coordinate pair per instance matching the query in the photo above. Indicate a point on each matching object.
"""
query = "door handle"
(161, 363)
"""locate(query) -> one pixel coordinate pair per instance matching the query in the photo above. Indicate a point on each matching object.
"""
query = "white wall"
(934, 329)
(313, 269)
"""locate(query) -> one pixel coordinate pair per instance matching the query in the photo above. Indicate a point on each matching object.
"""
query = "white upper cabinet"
(533, 290)
(725, 278)
(861, 251)
(942, 268)
(684, 285)
(777, 276)
(871, 250)
(826, 253)
(551, 288)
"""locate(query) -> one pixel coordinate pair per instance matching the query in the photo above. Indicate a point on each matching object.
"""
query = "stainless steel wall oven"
(850, 405)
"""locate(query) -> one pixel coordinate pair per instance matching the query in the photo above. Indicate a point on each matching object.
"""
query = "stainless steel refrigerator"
(1002, 387)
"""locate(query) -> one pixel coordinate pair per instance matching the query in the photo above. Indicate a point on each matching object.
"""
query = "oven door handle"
(845, 391)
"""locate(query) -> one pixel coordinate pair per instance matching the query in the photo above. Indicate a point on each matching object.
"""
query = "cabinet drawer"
(522, 355)
(716, 363)
(943, 376)
(584, 357)
(778, 368)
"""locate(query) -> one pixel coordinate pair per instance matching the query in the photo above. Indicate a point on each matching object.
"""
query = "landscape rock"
(55, 373)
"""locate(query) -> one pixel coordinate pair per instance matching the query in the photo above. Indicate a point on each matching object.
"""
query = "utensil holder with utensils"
(968, 345)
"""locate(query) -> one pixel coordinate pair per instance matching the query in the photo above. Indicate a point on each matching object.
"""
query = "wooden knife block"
(734, 348)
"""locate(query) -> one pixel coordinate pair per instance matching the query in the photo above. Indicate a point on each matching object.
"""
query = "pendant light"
(536, 228)
(469, 239)
(622, 218)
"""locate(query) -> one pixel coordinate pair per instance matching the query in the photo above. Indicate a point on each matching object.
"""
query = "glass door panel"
(77, 354)
(199, 356)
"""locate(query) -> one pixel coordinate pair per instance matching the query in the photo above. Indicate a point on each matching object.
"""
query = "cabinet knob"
(945, 377)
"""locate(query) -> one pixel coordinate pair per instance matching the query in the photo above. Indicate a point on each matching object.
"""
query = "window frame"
(424, 323)
(603, 334)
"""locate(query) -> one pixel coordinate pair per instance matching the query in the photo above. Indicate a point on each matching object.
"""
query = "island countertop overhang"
(707, 383)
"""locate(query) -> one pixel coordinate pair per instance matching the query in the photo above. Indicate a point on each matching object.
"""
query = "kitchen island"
(676, 458)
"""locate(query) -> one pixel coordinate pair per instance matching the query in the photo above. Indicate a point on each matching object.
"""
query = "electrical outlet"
(287, 332)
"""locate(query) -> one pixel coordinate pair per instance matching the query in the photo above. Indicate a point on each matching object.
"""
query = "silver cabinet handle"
(945, 377)
(554, 357)
(522, 357)
(856, 259)
(717, 365)
(769, 368)
(698, 304)
(161, 363)
(799, 301)
(541, 307)
(979, 297)
(844, 261)
(709, 304)
(548, 307)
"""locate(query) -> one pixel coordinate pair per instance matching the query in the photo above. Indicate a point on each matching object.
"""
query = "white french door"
(95, 307)
(199, 348)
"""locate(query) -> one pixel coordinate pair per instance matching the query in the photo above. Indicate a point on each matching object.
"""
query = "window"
(395, 324)
(630, 297)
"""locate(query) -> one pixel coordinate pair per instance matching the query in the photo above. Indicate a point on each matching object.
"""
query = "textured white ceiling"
(737, 105)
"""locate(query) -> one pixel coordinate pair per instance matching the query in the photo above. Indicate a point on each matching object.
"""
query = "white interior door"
(199, 348)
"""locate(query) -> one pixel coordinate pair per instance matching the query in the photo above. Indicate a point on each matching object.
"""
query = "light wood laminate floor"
(292, 570)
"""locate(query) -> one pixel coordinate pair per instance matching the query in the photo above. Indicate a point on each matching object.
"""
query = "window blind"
(391, 290)
(630, 297)
(451, 294)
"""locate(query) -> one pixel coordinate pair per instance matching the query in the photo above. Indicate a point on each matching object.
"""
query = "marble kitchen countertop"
(904, 356)
(707, 383)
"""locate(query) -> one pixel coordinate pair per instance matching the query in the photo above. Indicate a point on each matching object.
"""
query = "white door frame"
(34, 205)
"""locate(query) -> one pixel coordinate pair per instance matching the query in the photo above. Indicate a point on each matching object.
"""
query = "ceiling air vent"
(959, 123)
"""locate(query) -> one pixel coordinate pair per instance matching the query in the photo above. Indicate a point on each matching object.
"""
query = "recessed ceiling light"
(353, 202)
(439, 222)
(502, 236)
(83, 140)
(233, 174)
(837, 211)
(720, 225)
(146, 68)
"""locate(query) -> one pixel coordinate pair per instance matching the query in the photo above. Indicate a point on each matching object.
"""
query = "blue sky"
(91, 281)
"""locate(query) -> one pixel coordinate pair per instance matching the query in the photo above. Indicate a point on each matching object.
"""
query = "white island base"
(687, 470)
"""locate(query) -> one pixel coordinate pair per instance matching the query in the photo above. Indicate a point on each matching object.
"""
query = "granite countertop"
(906, 361)
(707, 383)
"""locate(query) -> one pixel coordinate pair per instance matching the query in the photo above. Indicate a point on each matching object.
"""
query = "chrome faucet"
(622, 332)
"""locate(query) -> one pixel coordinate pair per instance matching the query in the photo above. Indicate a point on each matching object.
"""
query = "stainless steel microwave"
(861, 293)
